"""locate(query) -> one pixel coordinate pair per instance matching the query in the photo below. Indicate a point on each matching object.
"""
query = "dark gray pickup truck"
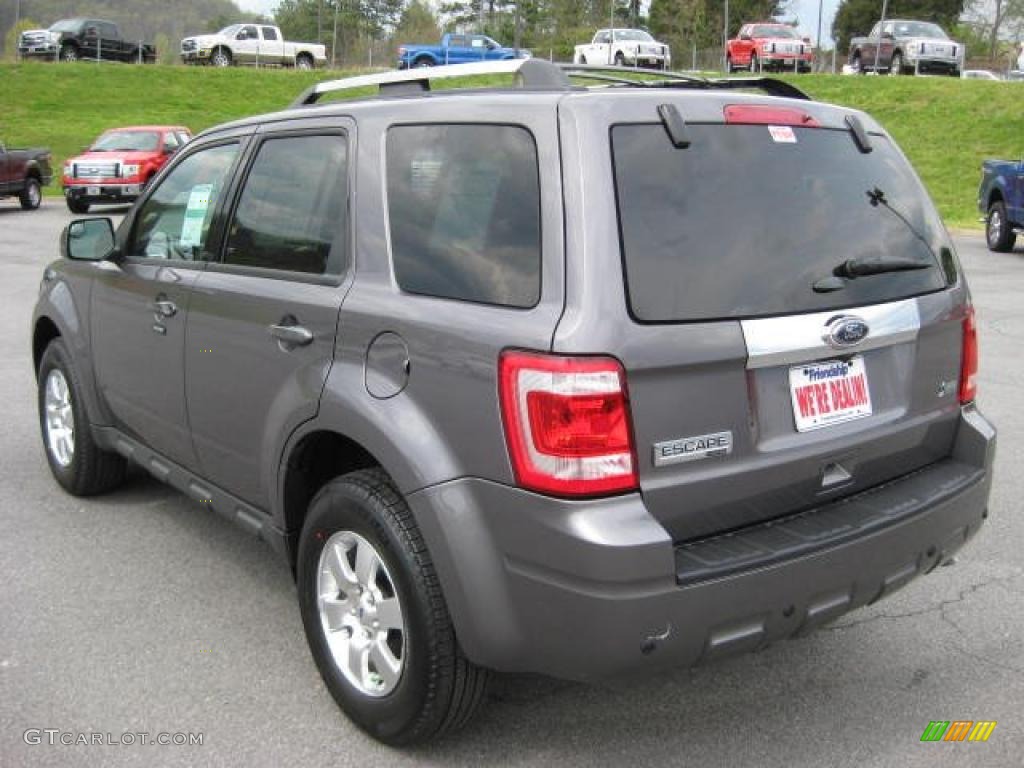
(507, 391)
(906, 46)
(23, 173)
(84, 40)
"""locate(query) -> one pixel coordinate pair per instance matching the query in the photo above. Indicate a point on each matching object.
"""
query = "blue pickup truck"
(457, 49)
(1001, 199)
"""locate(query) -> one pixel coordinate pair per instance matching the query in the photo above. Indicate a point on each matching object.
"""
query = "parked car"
(88, 39)
(624, 47)
(554, 418)
(906, 46)
(767, 46)
(457, 49)
(23, 173)
(1001, 201)
(119, 164)
(256, 44)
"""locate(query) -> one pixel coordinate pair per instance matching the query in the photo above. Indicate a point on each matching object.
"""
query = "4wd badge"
(692, 448)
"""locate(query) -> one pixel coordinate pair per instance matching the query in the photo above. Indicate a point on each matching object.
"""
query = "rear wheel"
(32, 195)
(755, 65)
(423, 62)
(80, 466)
(896, 67)
(375, 617)
(998, 232)
(303, 61)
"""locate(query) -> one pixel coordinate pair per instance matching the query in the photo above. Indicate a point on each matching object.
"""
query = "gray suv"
(549, 379)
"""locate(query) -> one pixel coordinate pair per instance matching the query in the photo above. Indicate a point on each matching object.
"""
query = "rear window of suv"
(742, 223)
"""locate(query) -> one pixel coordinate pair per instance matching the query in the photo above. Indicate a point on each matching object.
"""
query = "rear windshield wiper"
(852, 268)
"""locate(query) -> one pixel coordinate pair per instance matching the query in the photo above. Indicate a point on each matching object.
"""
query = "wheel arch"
(994, 196)
(312, 461)
(44, 331)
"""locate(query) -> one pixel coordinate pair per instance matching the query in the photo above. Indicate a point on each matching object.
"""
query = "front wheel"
(80, 466)
(620, 60)
(68, 53)
(998, 232)
(220, 58)
(896, 67)
(77, 206)
(32, 195)
(755, 65)
(375, 617)
(583, 59)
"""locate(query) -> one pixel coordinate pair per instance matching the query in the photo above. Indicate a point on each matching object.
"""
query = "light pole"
(725, 36)
(611, 29)
(817, 40)
(878, 44)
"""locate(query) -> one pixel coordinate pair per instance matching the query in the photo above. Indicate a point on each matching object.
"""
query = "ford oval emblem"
(846, 331)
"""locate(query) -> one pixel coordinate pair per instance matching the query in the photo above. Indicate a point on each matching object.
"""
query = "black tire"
(77, 206)
(755, 65)
(303, 61)
(999, 233)
(90, 470)
(896, 65)
(32, 195)
(221, 58)
(728, 65)
(438, 689)
(68, 52)
(424, 61)
(583, 59)
(620, 60)
(858, 65)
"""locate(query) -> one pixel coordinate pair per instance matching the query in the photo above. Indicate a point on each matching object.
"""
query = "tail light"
(567, 423)
(763, 114)
(969, 360)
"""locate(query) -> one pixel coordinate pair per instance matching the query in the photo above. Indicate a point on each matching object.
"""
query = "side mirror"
(745, 36)
(887, 35)
(88, 240)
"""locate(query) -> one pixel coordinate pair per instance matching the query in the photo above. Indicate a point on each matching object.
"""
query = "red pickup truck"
(119, 165)
(766, 46)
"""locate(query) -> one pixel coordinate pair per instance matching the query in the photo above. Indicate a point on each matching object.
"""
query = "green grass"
(945, 126)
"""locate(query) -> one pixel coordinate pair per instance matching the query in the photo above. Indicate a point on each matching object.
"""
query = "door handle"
(289, 335)
(164, 308)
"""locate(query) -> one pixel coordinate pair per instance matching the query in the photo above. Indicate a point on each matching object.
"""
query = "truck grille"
(95, 170)
(31, 39)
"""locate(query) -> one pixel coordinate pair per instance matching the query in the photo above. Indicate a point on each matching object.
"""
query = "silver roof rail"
(538, 74)
(533, 74)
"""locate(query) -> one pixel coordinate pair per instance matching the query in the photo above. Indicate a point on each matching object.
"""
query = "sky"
(804, 10)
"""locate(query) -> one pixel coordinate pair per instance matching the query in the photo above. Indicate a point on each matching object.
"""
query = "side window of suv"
(174, 221)
(291, 214)
(464, 212)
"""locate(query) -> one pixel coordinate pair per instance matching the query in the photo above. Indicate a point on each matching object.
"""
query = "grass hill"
(945, 126)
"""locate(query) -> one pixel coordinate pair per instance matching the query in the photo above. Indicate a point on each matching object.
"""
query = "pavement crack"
(940, 607)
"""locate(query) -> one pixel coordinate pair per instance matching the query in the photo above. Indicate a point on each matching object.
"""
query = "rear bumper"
(590, 590)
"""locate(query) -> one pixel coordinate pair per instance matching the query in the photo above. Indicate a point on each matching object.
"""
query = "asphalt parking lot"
(143, 612)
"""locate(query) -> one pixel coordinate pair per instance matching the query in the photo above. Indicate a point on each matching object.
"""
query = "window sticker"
(782, 134)
(195, 215)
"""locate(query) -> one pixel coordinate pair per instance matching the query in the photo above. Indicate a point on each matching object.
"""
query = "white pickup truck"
(256, 44)
(624, 48)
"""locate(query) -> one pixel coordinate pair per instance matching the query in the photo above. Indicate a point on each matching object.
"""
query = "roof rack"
(538, 74)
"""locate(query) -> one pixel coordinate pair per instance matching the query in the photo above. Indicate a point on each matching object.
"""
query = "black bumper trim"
(825, 527)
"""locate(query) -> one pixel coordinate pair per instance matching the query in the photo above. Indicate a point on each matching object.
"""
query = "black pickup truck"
(24, 172)
(84, 39)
